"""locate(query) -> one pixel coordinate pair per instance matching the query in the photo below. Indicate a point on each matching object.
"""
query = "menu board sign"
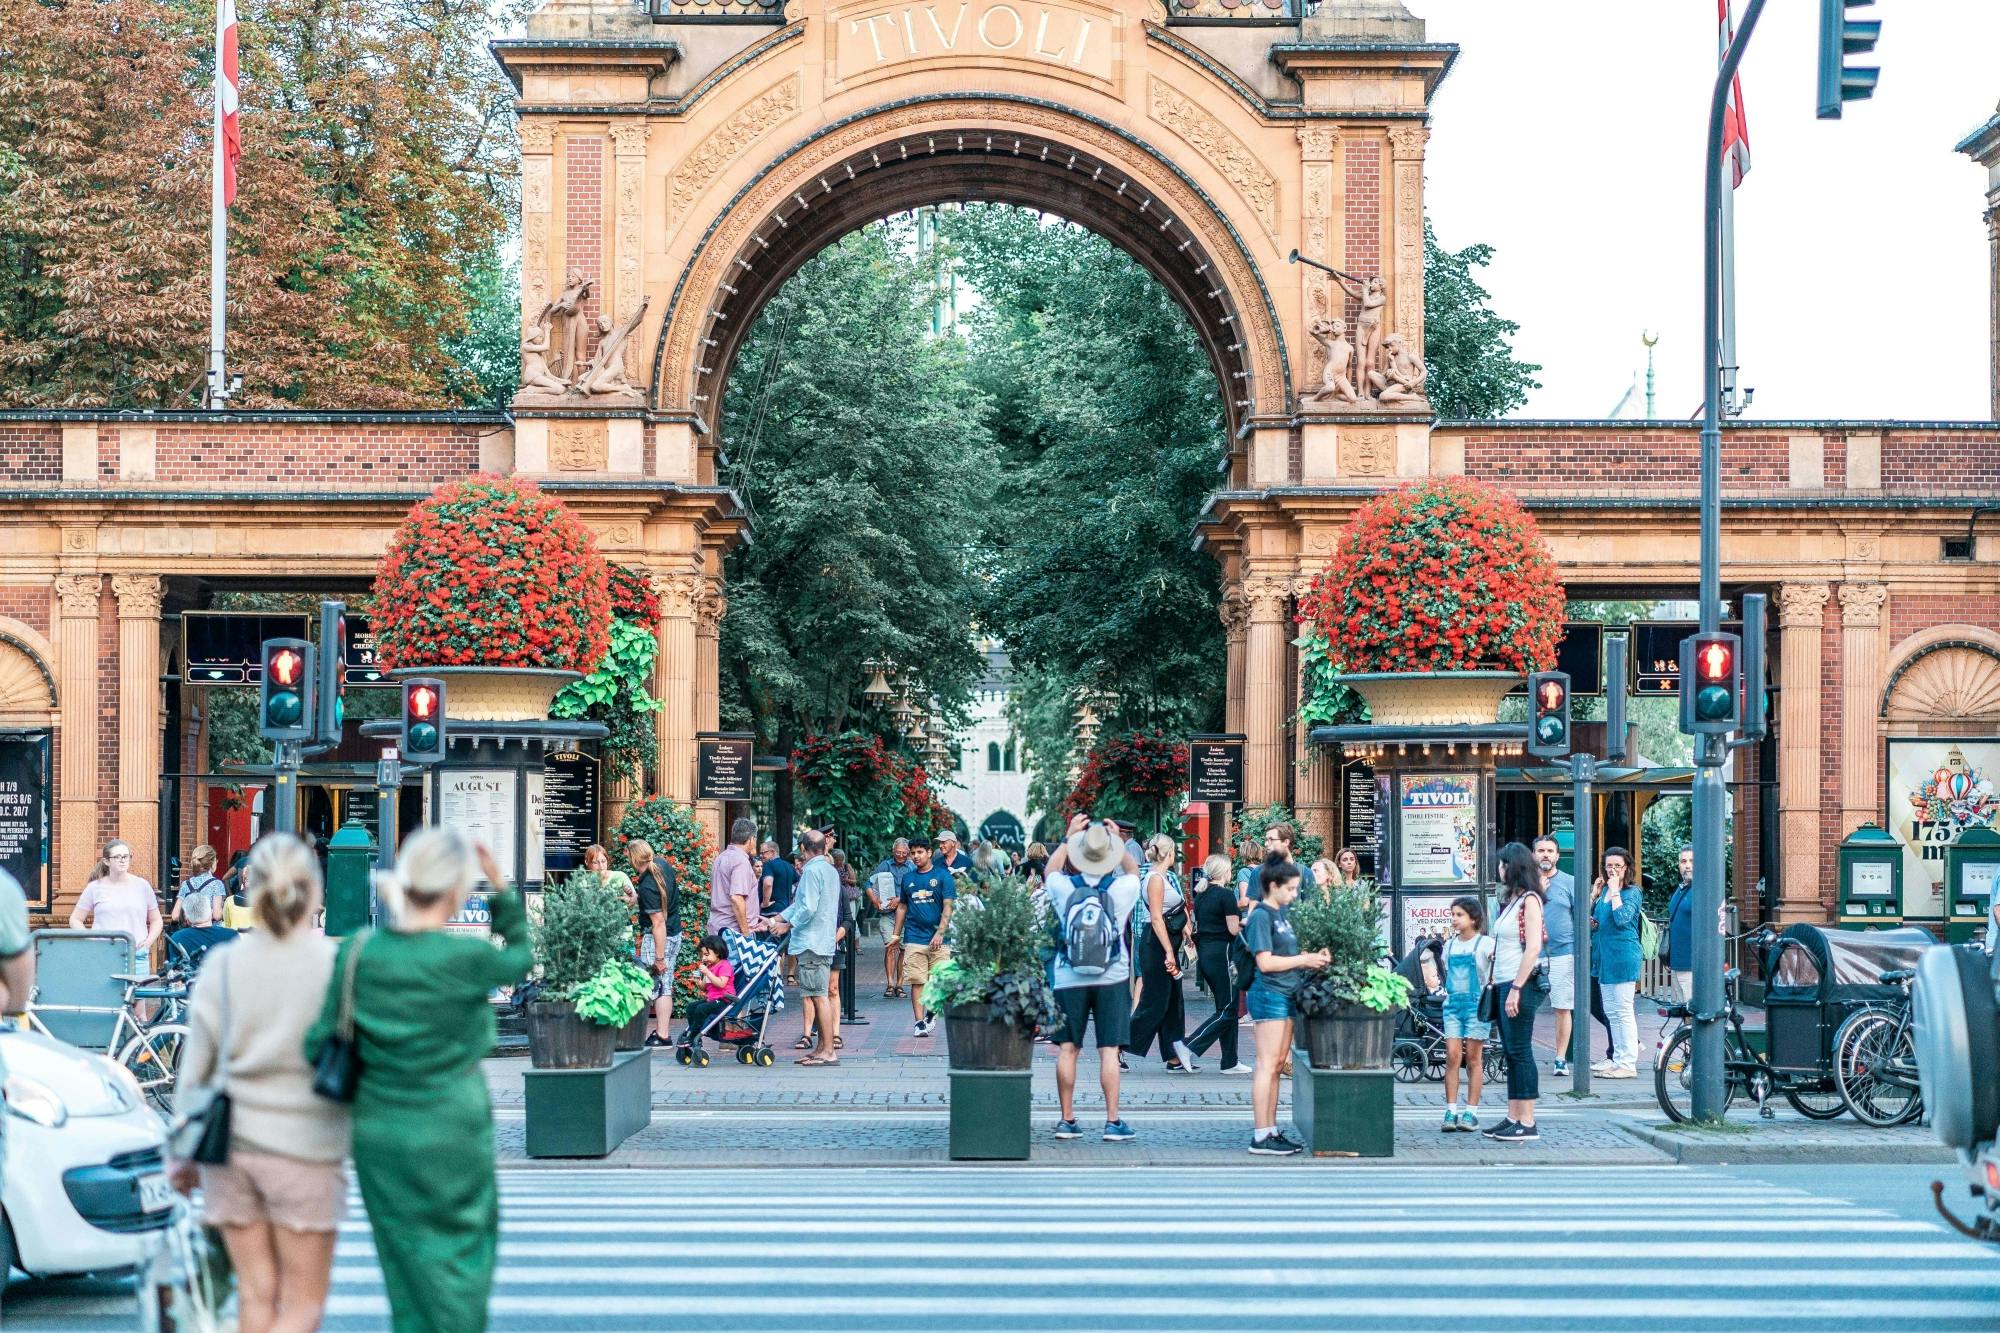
(1215, 769)
(24, 813)
(723, 765)
(1357, 812)
(569, 809)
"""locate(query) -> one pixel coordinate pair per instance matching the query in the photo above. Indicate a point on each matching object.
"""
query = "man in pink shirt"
(732, 883)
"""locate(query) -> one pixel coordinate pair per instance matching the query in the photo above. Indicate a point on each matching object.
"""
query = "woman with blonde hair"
(423, 1123)
(279, 1198)
(201, 881)
(1218, 922)
(1162, 1009)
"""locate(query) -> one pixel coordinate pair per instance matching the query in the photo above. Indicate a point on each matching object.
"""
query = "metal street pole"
(1707, 1050)
(1582, 771)
(285, 786)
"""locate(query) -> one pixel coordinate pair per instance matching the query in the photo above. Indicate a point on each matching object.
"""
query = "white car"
(80, 1143)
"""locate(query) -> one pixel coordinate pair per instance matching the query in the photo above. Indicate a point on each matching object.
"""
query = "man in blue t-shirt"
(949, 856)
(923, 912)
(780, 880)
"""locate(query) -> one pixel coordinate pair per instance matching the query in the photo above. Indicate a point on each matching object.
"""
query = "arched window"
(1007, 757)
(993, 757)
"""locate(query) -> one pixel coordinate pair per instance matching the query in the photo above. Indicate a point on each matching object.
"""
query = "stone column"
(1235, 615)
(538, 201)
(710, 606)
(1801, 614)
(1862, 665)
(628, 139)
(1264, 691)
(674, 673)
(139, 717)
(1406, 255)
(618, 796)
(79, 595)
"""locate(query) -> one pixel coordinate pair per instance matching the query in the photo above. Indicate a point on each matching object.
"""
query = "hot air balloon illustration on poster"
(1938, 788)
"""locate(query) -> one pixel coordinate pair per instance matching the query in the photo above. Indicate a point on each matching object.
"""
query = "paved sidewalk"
(1791, 1138)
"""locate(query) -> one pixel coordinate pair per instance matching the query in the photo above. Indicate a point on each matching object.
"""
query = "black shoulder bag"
(337, 1068)
(201, 1132)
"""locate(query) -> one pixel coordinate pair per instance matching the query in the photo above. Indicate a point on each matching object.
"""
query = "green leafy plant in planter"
(614, 995)
(1344, 922)
(996, 960)
(585, 925)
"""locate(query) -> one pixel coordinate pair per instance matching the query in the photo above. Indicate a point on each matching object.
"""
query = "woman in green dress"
(423, 1124)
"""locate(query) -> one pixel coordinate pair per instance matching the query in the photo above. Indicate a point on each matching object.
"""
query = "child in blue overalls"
(1468, 971)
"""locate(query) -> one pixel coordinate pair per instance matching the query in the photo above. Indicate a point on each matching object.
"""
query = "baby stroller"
(741, 1024)
(1419, 1052)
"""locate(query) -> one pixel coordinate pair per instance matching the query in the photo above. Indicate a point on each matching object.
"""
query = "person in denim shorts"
(1468, 971)
(1281, 968)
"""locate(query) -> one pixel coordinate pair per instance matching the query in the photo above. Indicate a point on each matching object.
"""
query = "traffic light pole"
(1707, 1049)
(1583, 819)
(285, 762)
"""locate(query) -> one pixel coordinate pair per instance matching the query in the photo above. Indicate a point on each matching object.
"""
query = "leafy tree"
(863, 452)
(486, 355)
(1473, 370)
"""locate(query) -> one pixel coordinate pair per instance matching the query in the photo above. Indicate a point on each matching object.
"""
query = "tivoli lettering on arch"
(1057, 35)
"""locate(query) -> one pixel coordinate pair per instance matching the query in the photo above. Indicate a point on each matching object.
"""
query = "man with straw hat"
(1093, 885)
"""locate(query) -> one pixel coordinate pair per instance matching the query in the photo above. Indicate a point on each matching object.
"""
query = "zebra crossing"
(1602, 1249)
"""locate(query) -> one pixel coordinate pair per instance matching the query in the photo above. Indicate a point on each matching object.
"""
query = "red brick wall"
(30, 451)
(29, 605)
(298, 454)
(107, 726)
(583, 209)
(1909, 613)
(1941, 461)
(1363, 244)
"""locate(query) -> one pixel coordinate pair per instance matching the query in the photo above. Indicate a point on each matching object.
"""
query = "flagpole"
(216, 396)
(1731, 405)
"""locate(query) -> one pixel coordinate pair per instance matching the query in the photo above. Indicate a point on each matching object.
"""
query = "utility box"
(1971, 875)
(350, 867)
(1870, 868)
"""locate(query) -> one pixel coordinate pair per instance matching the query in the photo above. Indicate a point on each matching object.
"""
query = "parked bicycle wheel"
(1673, 1079)
(154, 1059)
(1822, 1103)
(1875, 1064)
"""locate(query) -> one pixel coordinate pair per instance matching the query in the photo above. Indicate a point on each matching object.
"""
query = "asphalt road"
(1326, 1246)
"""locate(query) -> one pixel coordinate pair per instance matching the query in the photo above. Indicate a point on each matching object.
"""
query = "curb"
(1746, 1150)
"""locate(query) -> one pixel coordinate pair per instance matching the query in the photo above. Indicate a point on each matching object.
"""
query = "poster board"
(24, 814)
(1937, 787)
(1437, 830)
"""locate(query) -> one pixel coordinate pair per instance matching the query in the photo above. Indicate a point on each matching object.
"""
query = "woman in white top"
(1162, 1009)
(280, 1197)
(116, 899)
(1520, 985)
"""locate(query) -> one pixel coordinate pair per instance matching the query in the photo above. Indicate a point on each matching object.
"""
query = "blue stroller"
(741, 1023)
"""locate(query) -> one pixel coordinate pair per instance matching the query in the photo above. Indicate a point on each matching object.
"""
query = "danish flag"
(1735, 127)
(225, 96)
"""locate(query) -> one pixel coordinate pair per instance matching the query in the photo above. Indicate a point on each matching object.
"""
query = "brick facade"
(303, 455)
(1363, 219)
(583, 212)
(31, 451)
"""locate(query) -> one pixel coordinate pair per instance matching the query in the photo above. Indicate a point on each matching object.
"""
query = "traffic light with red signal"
(423, 740)
(1548, 714)
(1711, 684)
(285, 698)
(332, 671)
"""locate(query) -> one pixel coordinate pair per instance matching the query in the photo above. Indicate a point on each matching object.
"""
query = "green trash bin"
(350, 865)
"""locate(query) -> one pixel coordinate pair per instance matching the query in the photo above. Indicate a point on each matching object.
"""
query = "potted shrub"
(992, 991)
(585, 927)
(496, 588)
(1347, 1010)
(617, 996)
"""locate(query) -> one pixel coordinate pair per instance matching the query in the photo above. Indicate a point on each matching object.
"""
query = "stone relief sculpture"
(1402, 381)
(1336, 380)
(1373, 294)
(605, 374)
(536, 377)
(568, 306)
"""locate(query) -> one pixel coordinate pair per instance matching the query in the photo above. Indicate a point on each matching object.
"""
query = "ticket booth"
(1870, 871)
(1971, 874)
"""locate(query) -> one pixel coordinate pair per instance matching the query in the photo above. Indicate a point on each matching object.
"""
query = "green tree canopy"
(1473, 369)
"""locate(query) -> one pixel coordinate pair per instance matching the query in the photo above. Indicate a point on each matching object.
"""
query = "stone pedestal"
(1345, 1112)
(589, 1112)
(989, 1114)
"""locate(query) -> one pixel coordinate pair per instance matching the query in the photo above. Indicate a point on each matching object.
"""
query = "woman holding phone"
(1519, 987)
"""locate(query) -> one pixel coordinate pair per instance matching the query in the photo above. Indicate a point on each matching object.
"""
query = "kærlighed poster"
(1437, 828)
(1938, 789)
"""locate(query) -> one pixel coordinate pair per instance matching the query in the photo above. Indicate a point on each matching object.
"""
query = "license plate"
(155, 1194)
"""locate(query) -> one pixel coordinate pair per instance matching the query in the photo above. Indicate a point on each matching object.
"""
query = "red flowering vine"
(1444, 575)
(632, 596)
(1148, 768)
(871, 792)
(488, 571)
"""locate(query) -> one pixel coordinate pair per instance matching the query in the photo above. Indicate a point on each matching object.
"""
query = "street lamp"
(877, 689)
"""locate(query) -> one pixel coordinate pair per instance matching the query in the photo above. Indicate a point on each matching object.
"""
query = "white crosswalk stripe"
(1600, 1249)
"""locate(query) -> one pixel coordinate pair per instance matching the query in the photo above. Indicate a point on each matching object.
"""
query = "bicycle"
(1875, 1059)
(1744, 1069)
(152, 1051)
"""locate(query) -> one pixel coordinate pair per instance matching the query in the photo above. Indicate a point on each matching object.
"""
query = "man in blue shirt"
(1559, 916)
(923, 913)
(812, 920)
(885, 888)
(1680, 930)
(949, 856)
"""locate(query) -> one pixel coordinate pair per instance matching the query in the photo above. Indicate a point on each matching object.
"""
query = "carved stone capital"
(138, 595)
(80, 594)
(1267, 595)
(677, 593)
(1406, 141)
(1234, 612)
(1319, 141)
(709, 608)
(629, 137)
(1802, 603)
(538, 135)
(1861, 603)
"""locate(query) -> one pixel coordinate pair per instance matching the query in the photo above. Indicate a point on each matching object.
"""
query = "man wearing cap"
(949, 856)
(1093, 859)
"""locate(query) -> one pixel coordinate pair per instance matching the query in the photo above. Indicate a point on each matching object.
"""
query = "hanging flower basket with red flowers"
(872, 793)
(1137, 776)
(1443, 576)
(490, 573)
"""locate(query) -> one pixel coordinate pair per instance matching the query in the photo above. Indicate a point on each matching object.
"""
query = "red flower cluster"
(871, 792)
(632, 596)
(489, 572)
(1443, 575)
(1147, 766)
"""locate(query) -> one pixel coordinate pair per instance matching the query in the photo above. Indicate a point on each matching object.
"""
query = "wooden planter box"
(589, 1112)
(1345, 1112)
(989, 1114)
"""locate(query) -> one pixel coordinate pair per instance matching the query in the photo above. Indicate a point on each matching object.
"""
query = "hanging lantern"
(877, 689)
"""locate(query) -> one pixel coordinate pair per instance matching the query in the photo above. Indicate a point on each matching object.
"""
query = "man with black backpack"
(1093, 885)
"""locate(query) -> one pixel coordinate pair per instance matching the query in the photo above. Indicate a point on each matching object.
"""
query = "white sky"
(1569, 136)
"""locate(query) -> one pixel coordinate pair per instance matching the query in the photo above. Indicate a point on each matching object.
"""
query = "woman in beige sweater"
(280, 1197)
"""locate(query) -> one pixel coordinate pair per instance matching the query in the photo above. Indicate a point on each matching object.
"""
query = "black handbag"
(337, 1067)
(200, 1133)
